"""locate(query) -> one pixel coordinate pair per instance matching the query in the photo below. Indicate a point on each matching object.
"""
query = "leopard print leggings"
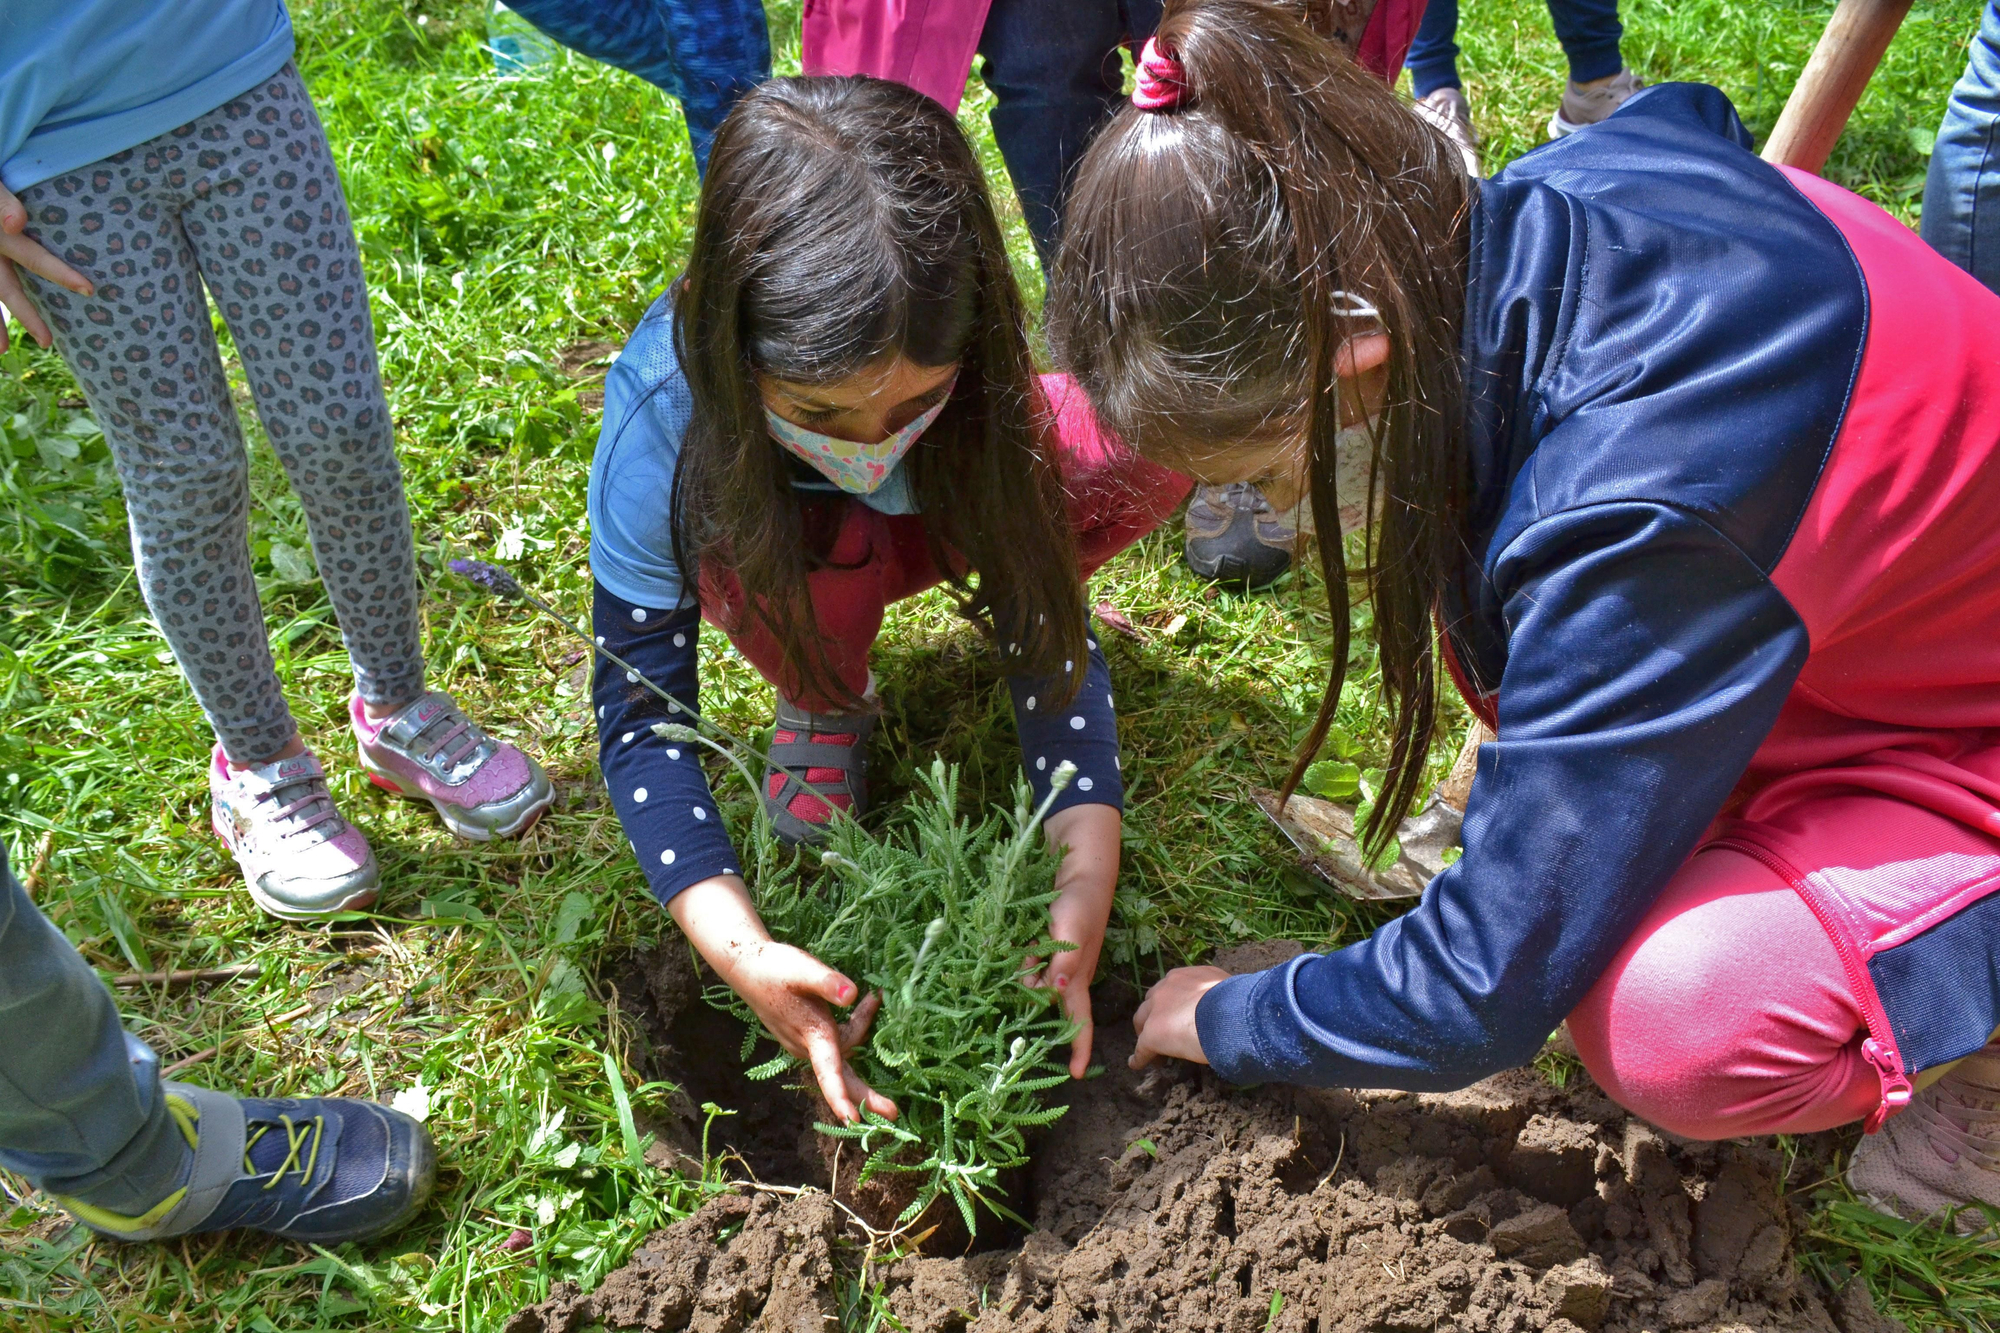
(245, 199)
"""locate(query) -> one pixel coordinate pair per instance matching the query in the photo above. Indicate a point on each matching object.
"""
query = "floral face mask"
(858, 469)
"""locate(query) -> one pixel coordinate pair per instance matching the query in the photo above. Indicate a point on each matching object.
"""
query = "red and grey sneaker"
(819, 763)
(428, 750)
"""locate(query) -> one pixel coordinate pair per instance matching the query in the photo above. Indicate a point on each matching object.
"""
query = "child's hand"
(1084, 885)
(18, 249)
(787, 988)
(1166, 1020)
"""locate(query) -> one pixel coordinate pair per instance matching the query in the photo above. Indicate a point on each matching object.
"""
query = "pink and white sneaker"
(300, 859)
(428, 750)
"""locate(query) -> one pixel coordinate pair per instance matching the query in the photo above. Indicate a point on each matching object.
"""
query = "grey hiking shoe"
(1942, 1152)
(1447, 109)
(1587, 103)
(1235, 538)
(320, 1169)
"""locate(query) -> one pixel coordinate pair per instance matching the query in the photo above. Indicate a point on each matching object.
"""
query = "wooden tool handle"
(1833, 81)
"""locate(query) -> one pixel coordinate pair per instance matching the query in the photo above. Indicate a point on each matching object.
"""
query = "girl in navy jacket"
(1686, 470)
(831, 410)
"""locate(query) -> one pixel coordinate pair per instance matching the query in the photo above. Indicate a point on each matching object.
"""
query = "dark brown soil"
(1169, 1201)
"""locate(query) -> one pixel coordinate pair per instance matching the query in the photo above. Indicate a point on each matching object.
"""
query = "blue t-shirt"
(644, 612)
(83, 79)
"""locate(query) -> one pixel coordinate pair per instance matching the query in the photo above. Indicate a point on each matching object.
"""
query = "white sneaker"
(1587, 103)
(1447, 109)
(1942, 1152)
(300, 859)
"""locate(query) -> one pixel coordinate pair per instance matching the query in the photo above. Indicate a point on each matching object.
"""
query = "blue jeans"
(704, 53)
(1962, 192)
(1055, 74)
(82, 1112)
(1589, 31)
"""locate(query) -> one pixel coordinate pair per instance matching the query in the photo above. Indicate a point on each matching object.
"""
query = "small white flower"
(700, 813)
(667, 857)
(639, 614)
(1076, 724)
(639, 795)
(413, 1101)
(1084, 784)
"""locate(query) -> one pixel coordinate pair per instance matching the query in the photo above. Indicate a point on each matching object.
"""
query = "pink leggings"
(1730, 1011)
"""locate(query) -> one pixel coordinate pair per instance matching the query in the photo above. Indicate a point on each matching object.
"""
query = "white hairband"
(1356, 307)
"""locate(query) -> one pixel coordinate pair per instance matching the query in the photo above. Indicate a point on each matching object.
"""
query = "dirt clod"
(1167, 1201)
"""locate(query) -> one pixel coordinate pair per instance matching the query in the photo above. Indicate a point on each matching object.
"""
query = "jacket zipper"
(1879, 1048)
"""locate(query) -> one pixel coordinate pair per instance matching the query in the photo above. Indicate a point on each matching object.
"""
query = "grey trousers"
(245, 200)
(82, 1109)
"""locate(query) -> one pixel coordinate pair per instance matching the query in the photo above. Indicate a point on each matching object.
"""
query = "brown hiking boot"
(1942, 1153)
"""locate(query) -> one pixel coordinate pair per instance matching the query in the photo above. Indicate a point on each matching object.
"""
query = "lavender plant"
(945, 917)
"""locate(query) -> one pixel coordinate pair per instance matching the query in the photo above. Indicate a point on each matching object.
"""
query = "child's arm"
(664, 803)
(1087, 817)
(1648, 657)
(787, 988)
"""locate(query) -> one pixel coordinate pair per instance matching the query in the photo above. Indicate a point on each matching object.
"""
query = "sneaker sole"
(362, 897)
(470, 832)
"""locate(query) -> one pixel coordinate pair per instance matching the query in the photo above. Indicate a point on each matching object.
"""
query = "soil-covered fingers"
(1165, 1021)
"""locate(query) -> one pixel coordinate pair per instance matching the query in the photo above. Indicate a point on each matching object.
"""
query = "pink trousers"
(1742, 1005)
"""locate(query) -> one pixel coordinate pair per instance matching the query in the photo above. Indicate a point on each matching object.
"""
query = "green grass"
(513, 231)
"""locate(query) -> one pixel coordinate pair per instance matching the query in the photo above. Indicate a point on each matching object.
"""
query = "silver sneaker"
(1942, 1152)
(300, 859)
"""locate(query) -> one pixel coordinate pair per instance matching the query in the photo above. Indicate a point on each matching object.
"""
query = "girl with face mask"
(834, 408)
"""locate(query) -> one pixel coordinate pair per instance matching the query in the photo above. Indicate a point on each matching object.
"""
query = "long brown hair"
(1210, 251)
(844, 222)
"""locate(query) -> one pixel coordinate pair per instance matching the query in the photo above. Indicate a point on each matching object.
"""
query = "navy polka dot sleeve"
(1085, 733)
(657, 785)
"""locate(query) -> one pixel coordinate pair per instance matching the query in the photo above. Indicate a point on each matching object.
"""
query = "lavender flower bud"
(1060, 778)
(490, 577)
(674, 731)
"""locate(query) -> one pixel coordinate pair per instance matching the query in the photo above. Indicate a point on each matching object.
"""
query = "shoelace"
(456, 725)
(1961, 1126)
(295, 1134)
(299, 816)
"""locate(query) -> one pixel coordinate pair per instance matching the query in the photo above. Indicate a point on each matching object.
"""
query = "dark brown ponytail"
(1207, 248)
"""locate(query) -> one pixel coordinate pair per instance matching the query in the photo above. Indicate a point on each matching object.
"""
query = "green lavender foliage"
(942, 915)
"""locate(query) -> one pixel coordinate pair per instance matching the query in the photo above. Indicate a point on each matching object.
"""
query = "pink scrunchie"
(1162, 80)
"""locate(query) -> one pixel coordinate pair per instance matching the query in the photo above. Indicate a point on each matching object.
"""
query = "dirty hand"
(1166, 1019)
(16, 248)
(1084, 887)
(786, 987)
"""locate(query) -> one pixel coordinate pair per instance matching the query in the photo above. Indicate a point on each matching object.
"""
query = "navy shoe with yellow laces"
(322, 1169)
